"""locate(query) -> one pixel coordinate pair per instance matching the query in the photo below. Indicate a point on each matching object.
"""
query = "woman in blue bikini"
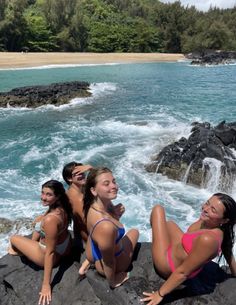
(51, 239)
(178, 256)
(108, 246)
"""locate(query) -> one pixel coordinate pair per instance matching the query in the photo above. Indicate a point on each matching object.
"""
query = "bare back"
(76, 201)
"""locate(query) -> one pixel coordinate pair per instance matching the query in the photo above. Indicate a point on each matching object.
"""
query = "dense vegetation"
(113, 26)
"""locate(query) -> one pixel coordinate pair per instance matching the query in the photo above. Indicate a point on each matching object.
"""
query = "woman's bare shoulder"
(104, 228)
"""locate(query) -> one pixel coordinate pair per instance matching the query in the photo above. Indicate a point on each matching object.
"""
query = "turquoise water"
(135, 110)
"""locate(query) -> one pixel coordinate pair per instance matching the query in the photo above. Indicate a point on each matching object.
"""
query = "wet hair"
(91, 182)
(228, 227)
(68, 169)
(63, 201)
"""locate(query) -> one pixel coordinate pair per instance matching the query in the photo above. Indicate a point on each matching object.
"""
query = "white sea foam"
(54, 66)
(98, 89)
(36, 153)
(233, 63)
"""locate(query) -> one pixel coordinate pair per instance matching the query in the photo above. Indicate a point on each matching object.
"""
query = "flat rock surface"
(20, 283)
(35, 96)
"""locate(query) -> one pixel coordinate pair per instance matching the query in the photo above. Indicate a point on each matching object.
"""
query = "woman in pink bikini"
(51, 239)
(178, 256)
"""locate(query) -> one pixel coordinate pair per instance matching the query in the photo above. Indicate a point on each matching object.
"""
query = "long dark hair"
(228, 227)
(91, 182)
(63, 201)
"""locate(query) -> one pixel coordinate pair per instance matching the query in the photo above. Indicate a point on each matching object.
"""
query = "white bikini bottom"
(60, 248)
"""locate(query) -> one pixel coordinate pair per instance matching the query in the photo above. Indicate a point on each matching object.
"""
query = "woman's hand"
(153, 298)
(120, 278)
(45, 294)
(119, 210)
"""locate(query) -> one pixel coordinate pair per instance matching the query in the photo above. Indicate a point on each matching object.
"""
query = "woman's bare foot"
(11, 251)
(120, 278)
(84, 268)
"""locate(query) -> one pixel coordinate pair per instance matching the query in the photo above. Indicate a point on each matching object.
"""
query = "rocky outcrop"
(20, 282)
(7, 225)
(205, 155)
(212, 57)
(36, 96)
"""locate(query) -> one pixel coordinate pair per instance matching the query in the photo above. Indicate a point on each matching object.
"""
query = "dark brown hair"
(91, 182)
(228, 227)
(63, 201)
(68, 169)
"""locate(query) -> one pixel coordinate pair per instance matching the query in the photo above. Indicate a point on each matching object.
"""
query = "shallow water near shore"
(135, 110)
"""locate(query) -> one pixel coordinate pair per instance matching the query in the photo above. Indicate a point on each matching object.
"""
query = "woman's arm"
(35, 236)
(232, 265)
(51, 230)
(205, 248)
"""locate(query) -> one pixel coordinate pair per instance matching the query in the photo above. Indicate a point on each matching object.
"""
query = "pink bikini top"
(187, 242)
(188, 238)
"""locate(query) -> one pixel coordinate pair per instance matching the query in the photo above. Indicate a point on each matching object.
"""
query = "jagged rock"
(189, 159)
(20, 282)
(6, 225)
(36, 96)
(211, 57)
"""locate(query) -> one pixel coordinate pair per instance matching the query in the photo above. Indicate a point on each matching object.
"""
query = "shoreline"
(9, 60)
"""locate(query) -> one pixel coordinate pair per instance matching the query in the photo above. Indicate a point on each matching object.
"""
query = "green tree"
(209, 34)
(13, 29)
(58, 13)
(39, 36)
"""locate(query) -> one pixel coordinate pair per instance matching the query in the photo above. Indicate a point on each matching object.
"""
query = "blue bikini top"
(95, 250)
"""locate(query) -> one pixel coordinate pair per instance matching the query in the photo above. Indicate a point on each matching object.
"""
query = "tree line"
(113, 26)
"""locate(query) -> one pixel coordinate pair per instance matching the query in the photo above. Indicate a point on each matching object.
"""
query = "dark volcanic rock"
(191, 160)
(6, 225)
(20, 282)
(35, 96)
(212, 57)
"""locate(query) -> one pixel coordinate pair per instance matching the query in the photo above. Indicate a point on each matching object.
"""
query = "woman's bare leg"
(27, 247)
(161, 239)
(129, 242)
(84, 267)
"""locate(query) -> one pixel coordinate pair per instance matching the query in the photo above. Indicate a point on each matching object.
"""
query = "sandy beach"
(21, 60)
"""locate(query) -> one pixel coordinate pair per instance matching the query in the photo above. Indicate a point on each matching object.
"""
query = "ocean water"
(135, 110)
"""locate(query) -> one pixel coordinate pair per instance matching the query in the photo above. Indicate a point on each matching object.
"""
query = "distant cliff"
(35, 96)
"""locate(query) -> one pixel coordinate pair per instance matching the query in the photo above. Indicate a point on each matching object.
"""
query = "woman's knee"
(157, 210)
(135, 232)
(133, 235)
(14, 239)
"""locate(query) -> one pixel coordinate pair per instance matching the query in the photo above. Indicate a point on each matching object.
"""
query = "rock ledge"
(35, 96)
(20, 282)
